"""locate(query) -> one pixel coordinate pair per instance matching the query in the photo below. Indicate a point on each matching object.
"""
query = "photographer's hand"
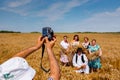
(54, 67)
(28, 51)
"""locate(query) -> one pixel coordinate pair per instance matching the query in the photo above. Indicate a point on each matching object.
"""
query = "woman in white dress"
(65, 46)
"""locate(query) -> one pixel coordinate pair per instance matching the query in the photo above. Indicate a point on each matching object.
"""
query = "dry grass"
(10, 44)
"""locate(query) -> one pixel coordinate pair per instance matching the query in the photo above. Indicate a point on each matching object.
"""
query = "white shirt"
(79, 60)
(80, 63)
(64, 44)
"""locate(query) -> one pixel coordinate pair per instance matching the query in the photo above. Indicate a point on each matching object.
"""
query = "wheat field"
(11, 43)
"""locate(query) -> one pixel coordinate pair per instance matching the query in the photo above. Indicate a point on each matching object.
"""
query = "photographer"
(17, 67)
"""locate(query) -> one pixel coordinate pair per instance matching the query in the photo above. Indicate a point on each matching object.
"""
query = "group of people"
(83, 56)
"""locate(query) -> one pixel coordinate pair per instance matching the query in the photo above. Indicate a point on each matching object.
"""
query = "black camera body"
(47, 32)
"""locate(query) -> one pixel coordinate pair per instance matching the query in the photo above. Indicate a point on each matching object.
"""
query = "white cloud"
(17, 11)
(58, 10)
(52, 13)
(17, 3)
(15, 6)
(105, 21)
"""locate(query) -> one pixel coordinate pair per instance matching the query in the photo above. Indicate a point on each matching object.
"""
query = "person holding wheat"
(75, 43)
(65, 51)
(94, 56)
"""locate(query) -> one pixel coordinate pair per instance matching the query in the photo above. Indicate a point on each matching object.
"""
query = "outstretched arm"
(28, 51)
(54, 67)
(100, 52)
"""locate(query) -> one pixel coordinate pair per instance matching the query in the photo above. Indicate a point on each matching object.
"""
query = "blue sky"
(61, 15)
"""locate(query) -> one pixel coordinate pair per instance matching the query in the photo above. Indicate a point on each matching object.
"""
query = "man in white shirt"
(80, 62)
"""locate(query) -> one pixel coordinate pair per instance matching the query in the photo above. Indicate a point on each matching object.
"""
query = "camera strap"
(43, 49)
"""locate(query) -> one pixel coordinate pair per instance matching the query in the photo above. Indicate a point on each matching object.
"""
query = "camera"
(47, 32)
